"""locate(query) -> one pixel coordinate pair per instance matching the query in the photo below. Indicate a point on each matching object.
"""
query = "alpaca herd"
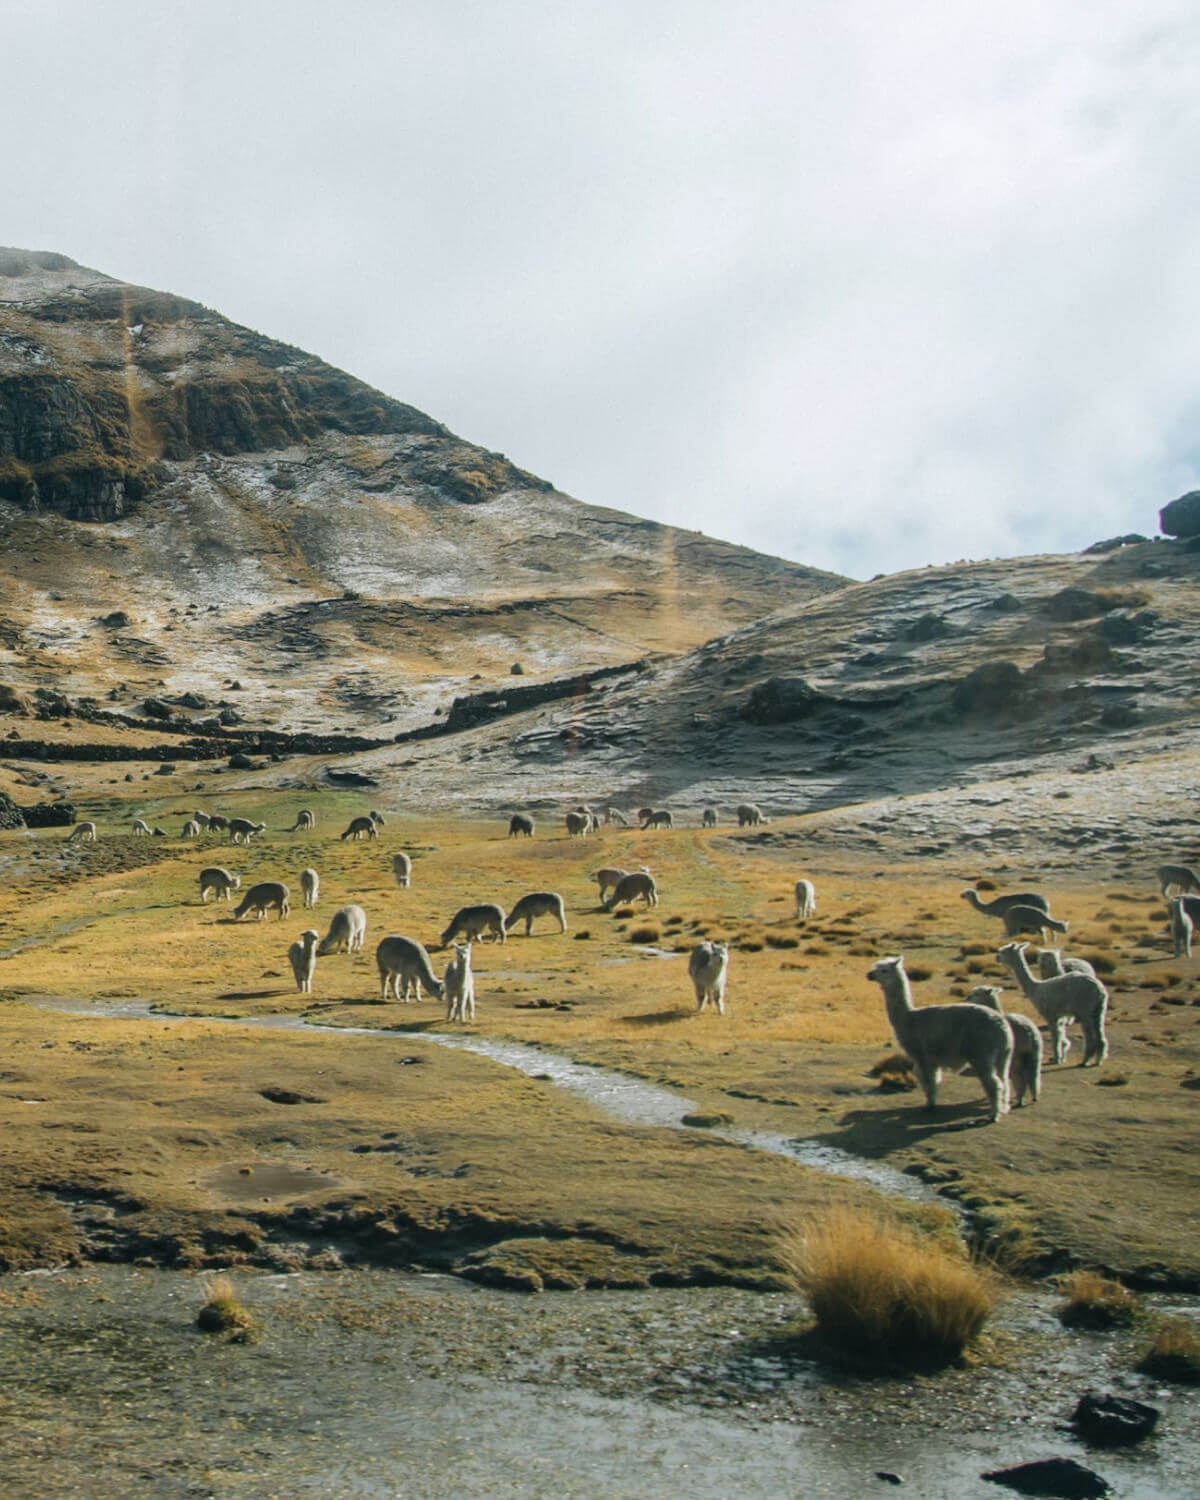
(1003, 1049)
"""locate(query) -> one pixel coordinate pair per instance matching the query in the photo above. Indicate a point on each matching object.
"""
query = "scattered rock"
(927, 628)
(1114, 543)
(993, 687)
(1062, 1477)
(701, 1121)
(155, 708)
(290, 1096)
(118, 619)
(240, 761)
(887, 1477)
(168, 768)
(349, 778)
(1110, 1421)
(517, 670)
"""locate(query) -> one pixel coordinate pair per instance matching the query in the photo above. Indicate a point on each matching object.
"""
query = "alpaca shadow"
(656, 1017)
(877, 1132)
(252, 994)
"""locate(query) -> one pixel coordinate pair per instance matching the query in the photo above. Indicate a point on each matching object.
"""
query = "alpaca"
(310, 886)
(636, 883)
(459, 985)
(578, 824)
(400, 958)
(1071, 996)
(361, 828)
(219, 880)
(242, 830)
(303, 958)
(141, 829)
(347, 931)
(1018, 919)
(261, 897)
(474, 921)
(377, 818)
(615, 815)
(1051, 964)
(85, 832)
(537, 904)
(1001, 904)
(660, 819)
(708, 967)
(202, 818)
(218, 823)
(191, 829)
(305, 822)
(1181, 928)
(520, 825)
(806, 900)
(1182, 876)
(708, 818)
(750, 816)
(608, 876)
(947, 1036)
(402, 870)
(1025, 1070)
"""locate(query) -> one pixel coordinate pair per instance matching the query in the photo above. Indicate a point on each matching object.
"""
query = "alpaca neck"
(898, 999)
(1022, 971)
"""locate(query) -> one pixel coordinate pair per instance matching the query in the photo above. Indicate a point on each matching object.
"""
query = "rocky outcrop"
(1181, 517)
(10, 813)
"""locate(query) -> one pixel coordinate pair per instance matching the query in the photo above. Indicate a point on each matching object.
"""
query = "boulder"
(10, 813)
(782, 700)
(992, 688)
(1110, 1421)
(1063, 1477)
(1181, 517)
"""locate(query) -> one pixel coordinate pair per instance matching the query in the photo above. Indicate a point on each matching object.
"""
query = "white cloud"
(866, 284)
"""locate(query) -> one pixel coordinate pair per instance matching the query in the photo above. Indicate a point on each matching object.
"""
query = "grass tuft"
(223, 1312)
(1174, 1353)
(1095, 1301)
(1101, 960)
(647, 932)
(884, 1291)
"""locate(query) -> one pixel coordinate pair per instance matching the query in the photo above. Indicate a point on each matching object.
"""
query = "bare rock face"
(10, 813)
(1181, 517)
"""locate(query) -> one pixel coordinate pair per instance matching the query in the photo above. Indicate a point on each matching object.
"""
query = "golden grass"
(1174, 1352)
(1096, 1301)
(879, 1288)
(223, 1312)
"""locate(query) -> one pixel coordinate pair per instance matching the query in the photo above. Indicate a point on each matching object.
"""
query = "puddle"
(266, 1180)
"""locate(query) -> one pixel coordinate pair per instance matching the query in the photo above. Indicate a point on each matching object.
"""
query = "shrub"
(647, 932)
(751, 944)
(582, 935)
(623, 912)
(918, 972)
(985, 884)
(1102, 961)
(1095, 1301)
(883, 1290)
(222, 1312)
(781, 940)
(1174, 1353)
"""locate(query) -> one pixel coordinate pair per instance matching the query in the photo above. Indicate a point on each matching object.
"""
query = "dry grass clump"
(882, 1290)
(781, 940)
(1101, 960)
(646, 932)
(895, 1073)
(752, 943)
(1174, 1353)
(623, 912)
(985, 884)
(918, 972)
(1095, 1301)
(223, 1312)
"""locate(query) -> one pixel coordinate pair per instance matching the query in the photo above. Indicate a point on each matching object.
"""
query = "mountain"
(185, 503)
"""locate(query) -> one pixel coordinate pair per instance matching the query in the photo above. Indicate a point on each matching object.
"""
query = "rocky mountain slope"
(185, 504)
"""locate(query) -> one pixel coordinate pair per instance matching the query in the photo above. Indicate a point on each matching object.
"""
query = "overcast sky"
(864, 283)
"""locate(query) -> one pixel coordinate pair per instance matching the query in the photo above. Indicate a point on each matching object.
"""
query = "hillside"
(185, 504)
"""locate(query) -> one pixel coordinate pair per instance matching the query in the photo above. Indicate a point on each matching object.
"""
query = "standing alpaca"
(402, 870)
(806, 900)
(537, 904)
(1181, 927)
(750, 816)
(302, 956)
(1025, 1070)
(520, 825)
(1058, 1001)
(578, 824)
(947, 1036)
(1001, 904)
(708, 967)
(310, 887)
(404, 959)
(636, 883)
(1051, 964)
(459, 985)
(708, 818)
(191, 829)
(607, 876)
(361, 828)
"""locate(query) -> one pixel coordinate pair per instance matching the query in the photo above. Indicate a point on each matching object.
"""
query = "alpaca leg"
(928, 1078)
(995, 1089)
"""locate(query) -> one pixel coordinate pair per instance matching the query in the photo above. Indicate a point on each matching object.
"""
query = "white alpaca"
(459, 985)
(402, 870)
(141, 829)
(85, 832)
(750, 816)
(1051, 964)
(310, 887)
(191, 829)
(1058, 1001)
(242, 830)
(404, 959)
(218, 880)
(1181, 928)
(947, 1036)
(708, 968)
(1025, 1069)
(615, 815)
(303, 958)
(607, 877)
(305, 821)
(347, 931)
(806, 900)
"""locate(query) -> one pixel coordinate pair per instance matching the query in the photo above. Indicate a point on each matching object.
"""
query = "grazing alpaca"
(347, 931)
(310, 887)
(1058, 1001)
(1001, 904)
(806, 900)
(520, 824)
(636, 883)
(608, 876)
(660, 819)
(404, 959)
(1025, 1070)
(305, 821)
(302, 956)
(947, 1036)
(1181, 928)
(261, 897)
(1018, 919)
(708, 818)
(191, 829)
(459, 985)
(537, 904)
(241, 830)
(615, 815)
(474, 921)
(141, 829)
(85, 832)
(217, 879)
(708, 967)
(1182, 876)
(361, 828)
